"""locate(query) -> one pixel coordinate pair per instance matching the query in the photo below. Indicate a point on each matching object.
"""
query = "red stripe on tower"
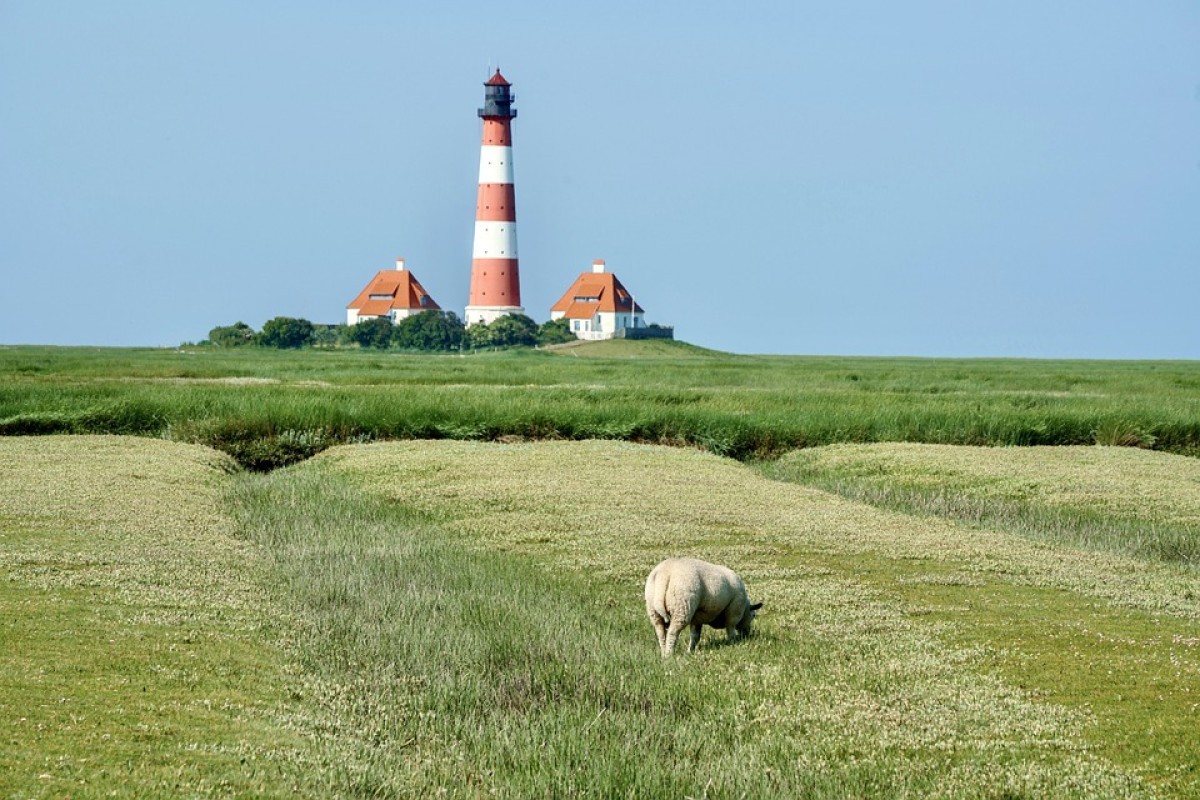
(495, 280)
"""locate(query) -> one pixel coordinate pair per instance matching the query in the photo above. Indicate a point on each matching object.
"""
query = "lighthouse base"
(489, 314)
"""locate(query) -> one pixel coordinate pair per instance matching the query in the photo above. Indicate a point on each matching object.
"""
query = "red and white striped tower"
(495, 281)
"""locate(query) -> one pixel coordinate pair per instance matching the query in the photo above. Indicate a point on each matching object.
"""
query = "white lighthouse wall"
(486, 315)
(495, 239)
(495, 164)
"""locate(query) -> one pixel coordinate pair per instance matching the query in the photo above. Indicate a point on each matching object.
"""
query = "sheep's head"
(748, 619)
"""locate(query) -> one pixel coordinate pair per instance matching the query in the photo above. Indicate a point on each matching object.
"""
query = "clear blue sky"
(876, 178)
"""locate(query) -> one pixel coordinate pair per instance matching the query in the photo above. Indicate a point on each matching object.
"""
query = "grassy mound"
(636, 348)
(1103, 498)
(137, 642)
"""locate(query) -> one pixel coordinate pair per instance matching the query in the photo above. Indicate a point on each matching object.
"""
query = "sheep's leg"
(660, 631)
(673, 635)
(696, 629)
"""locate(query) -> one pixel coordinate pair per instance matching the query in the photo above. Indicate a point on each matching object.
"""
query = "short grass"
(1103, 498)
(138, 654)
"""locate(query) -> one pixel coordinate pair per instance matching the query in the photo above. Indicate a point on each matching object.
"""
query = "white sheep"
(688, 591)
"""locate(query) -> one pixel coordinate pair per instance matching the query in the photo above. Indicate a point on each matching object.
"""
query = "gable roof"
(392, 288)
(593, 293)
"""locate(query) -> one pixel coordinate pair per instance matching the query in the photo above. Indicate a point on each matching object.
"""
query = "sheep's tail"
(658, 584)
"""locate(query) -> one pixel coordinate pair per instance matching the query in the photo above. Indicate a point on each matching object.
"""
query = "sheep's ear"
(756, 607)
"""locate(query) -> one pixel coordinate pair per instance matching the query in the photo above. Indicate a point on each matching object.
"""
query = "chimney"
(400, 264)
(598, 265)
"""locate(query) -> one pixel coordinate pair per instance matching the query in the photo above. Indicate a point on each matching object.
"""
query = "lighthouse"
(495, 282)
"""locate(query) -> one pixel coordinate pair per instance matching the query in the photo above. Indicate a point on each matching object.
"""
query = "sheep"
(688, 591)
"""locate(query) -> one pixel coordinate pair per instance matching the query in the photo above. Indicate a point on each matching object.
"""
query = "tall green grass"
(270, 408)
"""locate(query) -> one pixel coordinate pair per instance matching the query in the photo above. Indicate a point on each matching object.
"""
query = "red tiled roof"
(401, 290)
(375, 308)
(611, 296)
(497, 80)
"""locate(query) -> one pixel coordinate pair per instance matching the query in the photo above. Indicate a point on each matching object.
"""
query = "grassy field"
(457, 612)
(139, 644)
(269, 408)
(465, 619)
(1090, 497)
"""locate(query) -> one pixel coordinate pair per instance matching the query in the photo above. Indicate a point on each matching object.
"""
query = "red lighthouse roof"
(497, 80)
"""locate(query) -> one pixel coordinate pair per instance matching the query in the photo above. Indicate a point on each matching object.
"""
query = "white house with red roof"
(393, 294)
(598, 305)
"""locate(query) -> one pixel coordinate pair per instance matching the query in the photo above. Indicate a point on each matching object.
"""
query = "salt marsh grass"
(868, 678)
(1118, 499)
(270, 408)
(137, 643)
(465, 619)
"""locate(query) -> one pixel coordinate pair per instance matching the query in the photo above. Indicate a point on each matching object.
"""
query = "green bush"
(375, 332)
(555, 331)
(510, 330)
(429, 330)
(286, 333)
(238, 334)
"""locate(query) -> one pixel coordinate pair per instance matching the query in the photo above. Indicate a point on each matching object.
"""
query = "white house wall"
(603, 325)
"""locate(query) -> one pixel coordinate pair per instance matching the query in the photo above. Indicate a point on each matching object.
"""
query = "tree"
(329, 335)
(235, 335)
(513, 329)
(480, 335)
(429, 330)
(374, 332)
(286, 332)
(555, 331)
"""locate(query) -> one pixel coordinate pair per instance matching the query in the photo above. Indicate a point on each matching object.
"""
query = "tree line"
(427, 331)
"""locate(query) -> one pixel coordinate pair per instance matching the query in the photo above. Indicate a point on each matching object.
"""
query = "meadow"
(269, 408)
(461, 615)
